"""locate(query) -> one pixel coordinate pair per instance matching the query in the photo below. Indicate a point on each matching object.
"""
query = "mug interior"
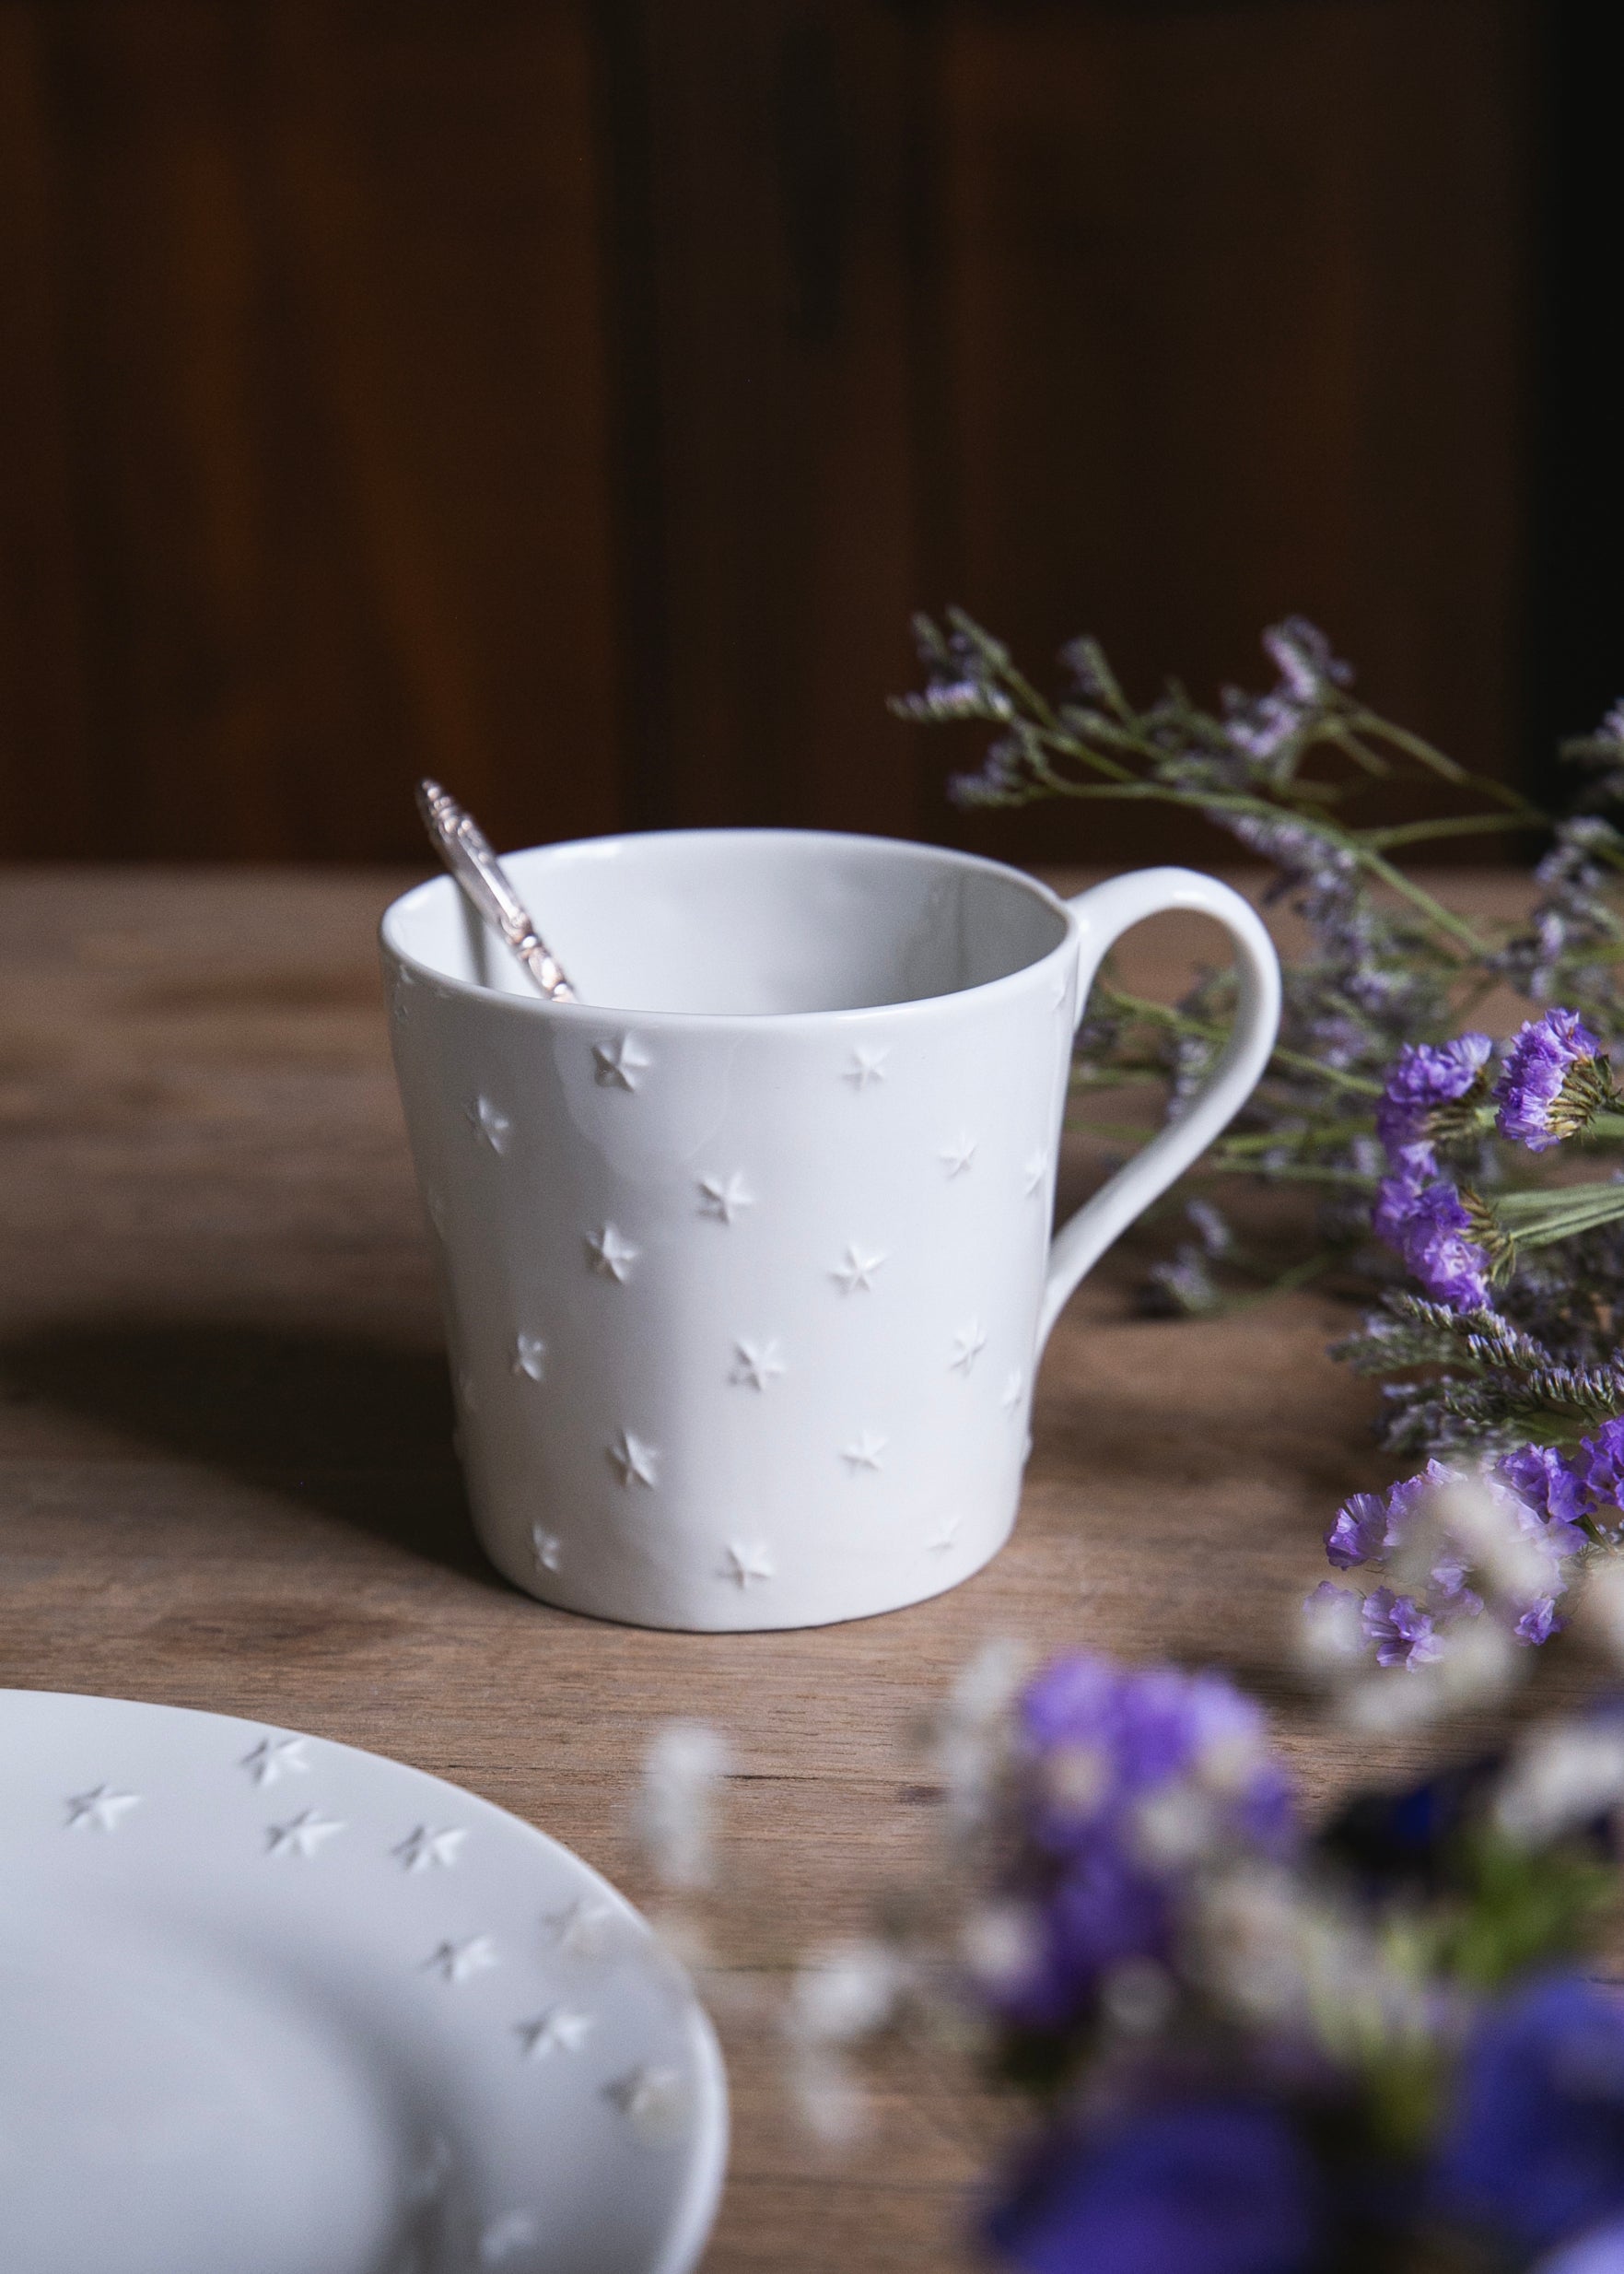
(740, 921)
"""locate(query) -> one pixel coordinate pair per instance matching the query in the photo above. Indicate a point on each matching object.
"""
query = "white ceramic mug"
(746, 1253)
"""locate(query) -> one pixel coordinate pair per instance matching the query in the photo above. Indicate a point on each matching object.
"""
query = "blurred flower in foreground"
(682, 1770)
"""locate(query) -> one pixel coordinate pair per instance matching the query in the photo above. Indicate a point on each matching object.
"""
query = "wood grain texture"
(226, 1481)
(574, 397)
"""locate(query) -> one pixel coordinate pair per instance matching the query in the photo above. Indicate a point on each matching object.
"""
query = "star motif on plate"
(956, 1159)
(546, 1548)
(586, 1929)
(529, 1357)
(746, 1563)
(101, 1810)
(866, 1452)
(617, 1064)
(947, 1533)
(276, 1757)
(425, 1847)
(500, 2238)
(303, 1837)
(458, 1961)
(1015, 1384)
(857, 1270)
(1034, 1168)
(559, 2031)
(969, 1346)
(611, 1254)
(866, 1067)
(489, 1123)
(722, 1200)
(756, 1363)
(633, 1462)
(654, 2100)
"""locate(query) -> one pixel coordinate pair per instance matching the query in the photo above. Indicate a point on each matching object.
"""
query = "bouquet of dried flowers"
(1475, 1189)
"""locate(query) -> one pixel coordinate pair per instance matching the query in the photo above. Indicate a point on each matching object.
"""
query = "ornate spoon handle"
(461, 844)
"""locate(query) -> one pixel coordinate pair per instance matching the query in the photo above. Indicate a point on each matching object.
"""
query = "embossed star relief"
(529, 1357)
(425, 1847)
(1034, 1168)
(866, 1067)
(489, 1123)
(967, 1347)
(722, 1200)
(617, 1064)
(756, 1363)
(856, 1273)
(557, 2031)
(459, 1961)
(1015, 1384)
(654, 2100)
(633, 1462)
(303, 1837)
(956, 1159)
(866, 1452)
(611, 1254)
(745, 1564)
(586, 1929)
(101, 1810)
(276, 1757)
(400, 1006)
(500, 2238)
(546, 1548)
(947, 1533)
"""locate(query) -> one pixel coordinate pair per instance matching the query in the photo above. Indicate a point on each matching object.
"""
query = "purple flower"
(1543, 1481)
(1358, 1532)
(1396, 1199)
(1599, 2252)
(1403, 1632)
(1533, 2152)
(1539, 1104)
(1451, 1267)
(1421, 1078)
(1601, 1464)
(1539, 1621)
(1197, 2186)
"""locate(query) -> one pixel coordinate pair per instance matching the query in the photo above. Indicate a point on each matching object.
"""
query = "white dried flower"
(829, 2096)
(1000, 1943)
(1602, 1606)
(1562, 1777)
(845, 1992)
(970, 1738)
(686, 1762)
(1137, 1997)
(1175, 1826)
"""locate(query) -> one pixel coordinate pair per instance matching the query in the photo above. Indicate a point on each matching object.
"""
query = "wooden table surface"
(226, 1481)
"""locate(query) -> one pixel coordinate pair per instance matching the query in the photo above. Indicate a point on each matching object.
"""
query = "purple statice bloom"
(1190, 2187)
(1402, 1633)
(1420, 1078)
(1358, 1532)
(1398, 1197)
(1534, 2151)
(1539, 1621)
(1451, 1268)
(1601, 1465)
(1539, 1062)
(1544, 1482)
(1599, 2252)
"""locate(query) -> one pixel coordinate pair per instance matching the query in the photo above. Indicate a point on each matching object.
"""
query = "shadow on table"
(352, 1427)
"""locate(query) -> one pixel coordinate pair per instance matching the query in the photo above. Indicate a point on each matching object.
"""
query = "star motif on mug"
(969, 1346)
(276, 1757)
(101, 1810)
(546, 1548)
(956, 1159)
(757, 1363)
(426, 1849)
(633, 1460)
(947, 1533)
(746, 1563)
(866, 1067)
(500, 2237)
(611, 1254)
(859, 1269)
(1013, 1387)
(489, 1123)
(529, 1357)
(400, 1004)
(558, 2031)
(618, 1063)
(1034, 1168)
(721, 1200)
(303, 1837)
(458, 1961)
(866, 1452)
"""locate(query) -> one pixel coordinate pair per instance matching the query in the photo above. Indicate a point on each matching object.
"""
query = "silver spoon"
(461, 844)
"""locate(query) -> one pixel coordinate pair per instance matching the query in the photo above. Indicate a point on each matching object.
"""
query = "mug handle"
(1103, 914)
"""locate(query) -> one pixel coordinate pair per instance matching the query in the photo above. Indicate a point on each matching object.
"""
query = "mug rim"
(902, 848)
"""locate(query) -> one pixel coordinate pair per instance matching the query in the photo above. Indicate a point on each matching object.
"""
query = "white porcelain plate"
(271, 2006)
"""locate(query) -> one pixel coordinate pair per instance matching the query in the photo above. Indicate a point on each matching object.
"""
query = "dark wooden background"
(574, 400)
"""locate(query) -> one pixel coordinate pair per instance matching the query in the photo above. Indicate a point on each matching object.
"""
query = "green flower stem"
(1164, 1015)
